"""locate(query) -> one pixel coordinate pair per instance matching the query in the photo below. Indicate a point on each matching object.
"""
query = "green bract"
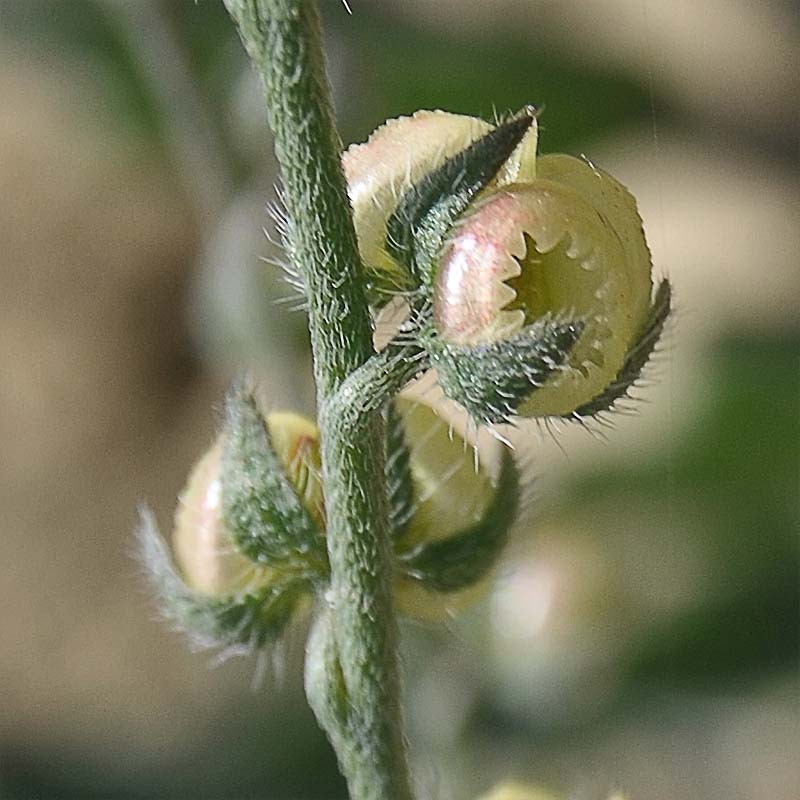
(225, 588)
(462, 515)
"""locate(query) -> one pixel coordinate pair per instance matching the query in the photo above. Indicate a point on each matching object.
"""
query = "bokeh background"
(643, 633)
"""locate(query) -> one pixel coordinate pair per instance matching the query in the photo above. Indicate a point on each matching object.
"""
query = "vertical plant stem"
(283, 40)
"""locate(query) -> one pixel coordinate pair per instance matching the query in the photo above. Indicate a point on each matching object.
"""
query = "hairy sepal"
(417, 229)
(267, 520)
(464, 558)
(637, 356)
(492, 380)
(249, 619)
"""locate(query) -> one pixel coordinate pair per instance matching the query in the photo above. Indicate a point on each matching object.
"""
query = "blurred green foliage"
(736, 473)
(732, 480)
(392, 75)
(416, 67)
(241, 756)
(91, 34)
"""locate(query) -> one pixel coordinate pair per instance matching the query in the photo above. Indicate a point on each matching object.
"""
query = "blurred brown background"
(643, 633)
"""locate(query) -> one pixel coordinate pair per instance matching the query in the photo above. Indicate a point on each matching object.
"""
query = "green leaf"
(492, 380)
(461, 560)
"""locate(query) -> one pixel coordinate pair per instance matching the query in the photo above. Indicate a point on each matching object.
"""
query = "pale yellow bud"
(379, 171)
(453, 490)
(204, 549)
(512, 790)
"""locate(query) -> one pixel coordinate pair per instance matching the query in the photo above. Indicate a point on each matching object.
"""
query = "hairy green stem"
(283, 40)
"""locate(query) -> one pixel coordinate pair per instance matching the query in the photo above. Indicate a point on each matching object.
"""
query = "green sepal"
(492, 380)
(637, 356)
(399, 483)
(268, 522)
(426, 212)
(250, 620)
(461, 560)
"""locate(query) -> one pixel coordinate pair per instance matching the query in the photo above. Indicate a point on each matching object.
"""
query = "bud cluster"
(536, 268)
(530, 282)
(249, 539)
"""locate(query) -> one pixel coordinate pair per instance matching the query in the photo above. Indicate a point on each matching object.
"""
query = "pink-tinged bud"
(568, 244)
(550, 237)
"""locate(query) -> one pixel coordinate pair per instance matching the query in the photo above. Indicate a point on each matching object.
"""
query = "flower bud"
(452, 515)
(452, 488)
(397, 155)
(463, 512)
(567, 244)
(537, 267)
(511, 790)
(202, 543)
(204, 546)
